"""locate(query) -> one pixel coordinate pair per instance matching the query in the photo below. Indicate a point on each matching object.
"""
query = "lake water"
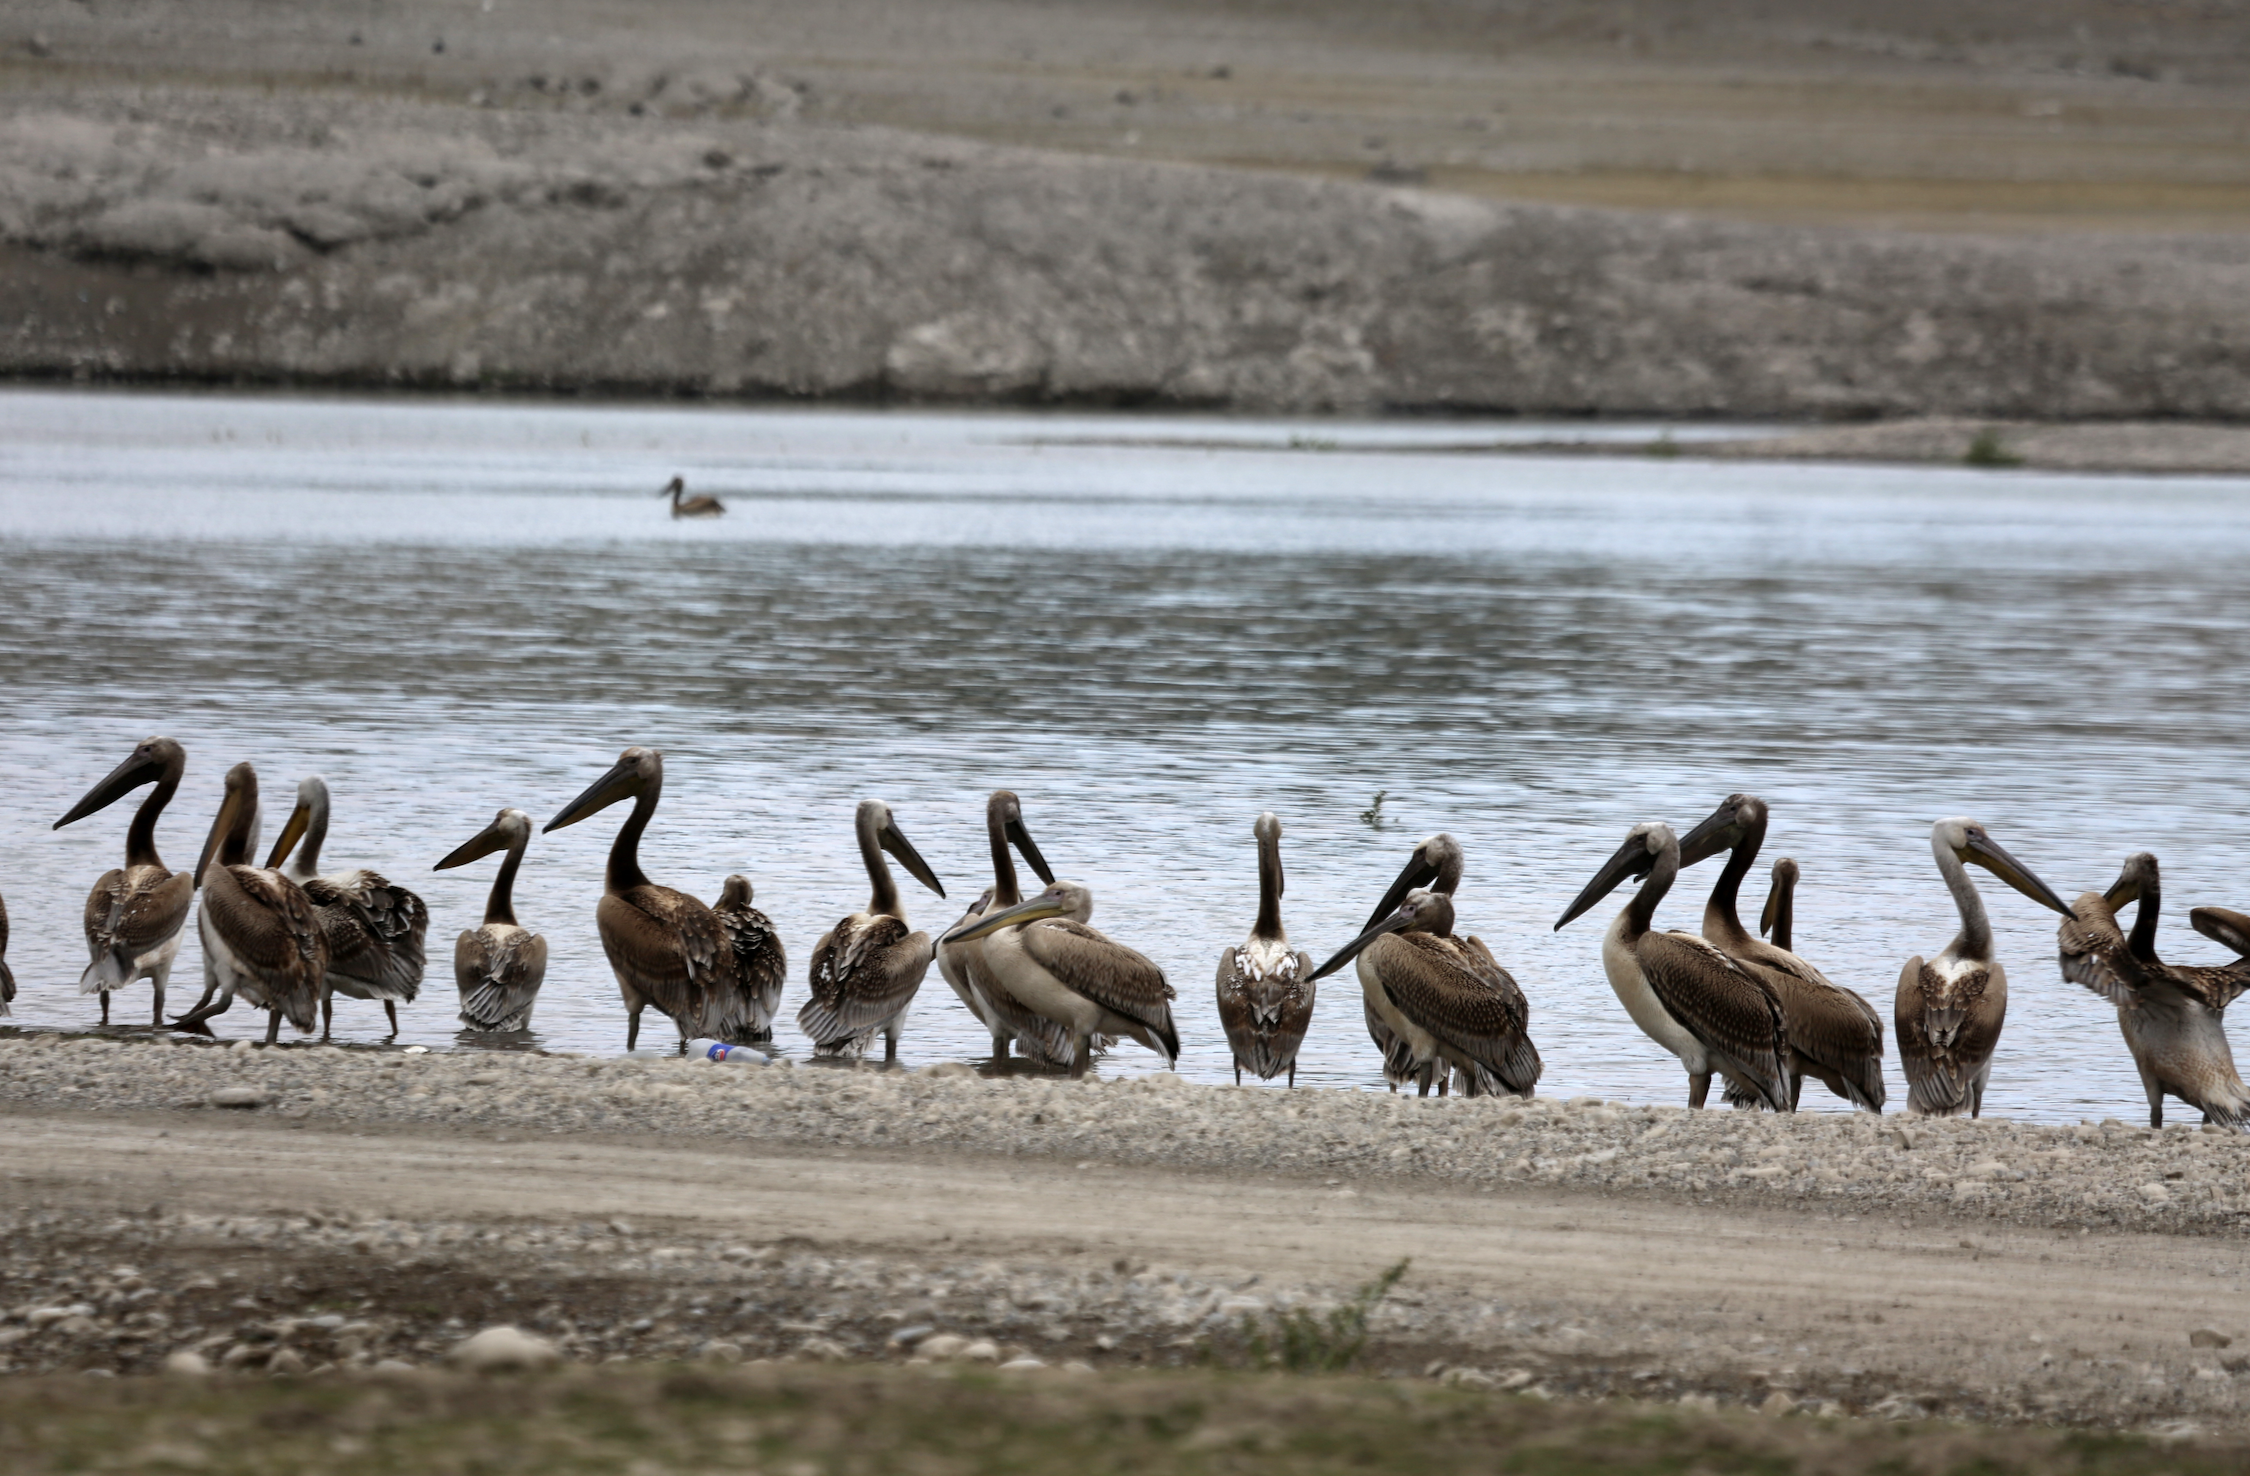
(1151, 629)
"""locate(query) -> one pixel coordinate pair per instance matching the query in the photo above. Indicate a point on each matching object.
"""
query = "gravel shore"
(2109, 1174)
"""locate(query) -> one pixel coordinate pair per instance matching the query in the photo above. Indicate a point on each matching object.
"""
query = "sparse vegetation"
(1987, 450)
(1372, 816)
(1300, 1341)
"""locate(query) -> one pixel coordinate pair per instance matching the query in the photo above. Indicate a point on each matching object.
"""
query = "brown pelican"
(1266, 987)
(1951, 1007)
(1042, 952)
(693, 507)
(1436, 864)
(1684, 993)
(1444, 1000)
(261, 935)
(759, 962)
(500, 965)
(1781, 903)
(666, 948)
(7, 979)
(866, 969)
(374, 927)
(962, 964)
(1834, 1034)
(136, 914)
(2171, 1014)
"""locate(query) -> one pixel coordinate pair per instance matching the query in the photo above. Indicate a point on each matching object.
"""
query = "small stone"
(1513, 1379)
(286, 1361)
(1777, 1404)
(823, 1350)
(1077, 1366)
(392, 1366)
(907, 1337)
(717, 1350)
(2156, 1194)
(1022, 1363)
(2205, 1337)
(942, 1346)
(186, 1363)
(983, 1350)
(502, 1349)
(240, 1097)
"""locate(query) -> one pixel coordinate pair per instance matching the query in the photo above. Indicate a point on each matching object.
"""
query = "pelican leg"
(327, 1013)
(1444, 1080)
(1081, 1056)
(890, 1045)
(1698, 1087)
(2155, 1090)
(105, 1007)
(390, 1008)
(1292, 1073)
(273, 1027)
(1797, 1089)
(159, 977)
(632, 1027)
(1238, 1071)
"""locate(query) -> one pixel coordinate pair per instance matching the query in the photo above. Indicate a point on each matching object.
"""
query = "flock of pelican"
(1054, 990)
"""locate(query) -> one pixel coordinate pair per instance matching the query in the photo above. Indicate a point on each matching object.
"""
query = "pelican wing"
(272, 930)
(1835, 1033)
(1732, 1012)
(761, 966)
(1265, 1017)
(374, 930)
(669, 948)
(1456, 990)
(130, 912)
(2214, 988)
(863, 973)
(1947, 1028)
(1105, 971)
(2094, 952)
(499, 970)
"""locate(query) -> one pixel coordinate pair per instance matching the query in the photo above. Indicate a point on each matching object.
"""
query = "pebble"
(238, 1097)
(503, 1349)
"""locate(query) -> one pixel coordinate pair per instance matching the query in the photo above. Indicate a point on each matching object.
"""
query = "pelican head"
(1968, 841)
(2136, 879)
(674, 487)
(1070, 900)
(874, 819)
(737, 891)
(1435, 864)
(508, 828)
(150, 760)
(234, 833)
(1419, 911)
(1735, 820)
(637, 771)
(1634, 859)
(1784, 886)
(308, 816)
(1009, 810)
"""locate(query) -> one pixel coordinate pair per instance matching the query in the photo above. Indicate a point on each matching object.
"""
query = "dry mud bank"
(165, 234)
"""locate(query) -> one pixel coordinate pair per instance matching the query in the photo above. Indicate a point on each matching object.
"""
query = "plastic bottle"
(724, 1054)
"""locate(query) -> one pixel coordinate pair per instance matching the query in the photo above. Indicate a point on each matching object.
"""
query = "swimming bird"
(666, 948)
(136, 913)
(2171, 1014)
(1834, 1034)
(1685, 993)
(261, 934)
(866, 969)
(499, 965)
(1781, 903)
(1044, 954)
(1950, 1009)
(961, 965)
(693, 507)
(375, 928)
(1436, 864)
(1443, 999)
(759, 962)
(1266, 987)
(7, 978)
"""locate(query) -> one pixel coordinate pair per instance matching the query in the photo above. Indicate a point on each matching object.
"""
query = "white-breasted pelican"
(961, 964)
(375, 928)
(666, 948)
(866, 969)
(1834, 1034)
(2172, 1015)
(1714, 1014)
(261, 935)
(760, 963)
(1043, 952)
(1266, 987)
(136, 914)
(500, 964)
(1950, 1008)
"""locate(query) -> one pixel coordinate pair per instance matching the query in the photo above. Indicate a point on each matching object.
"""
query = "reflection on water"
(448, 608)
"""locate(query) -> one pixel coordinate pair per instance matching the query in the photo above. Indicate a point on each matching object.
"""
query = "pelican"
(1436, 864)
(866, 969)
(1781, 903)
(666, 948)
(500, 965)
(7, 979)
(693, 507)
(1444, 999)
(759, 962)
(1266, 987)
(2171, 1014)
(374, 927)
(1951, 1007)
(262, 937)
(1833, 1033)
(136, 914)
(962, 964)
(1684, 993)
(1043, 953)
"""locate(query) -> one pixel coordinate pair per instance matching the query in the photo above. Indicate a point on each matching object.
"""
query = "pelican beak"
(2224, 926)
(138, 769)
(1631, 860)
(894, 840)
(1031, 909)
(2126, 888)
(230, 811)
(1398, 920)
(1021, 839)
(1719, 831)
(1418, 872)
(291, 833)
(1772, 914)
(1989, 854)
(613, 786)
(484, 843)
